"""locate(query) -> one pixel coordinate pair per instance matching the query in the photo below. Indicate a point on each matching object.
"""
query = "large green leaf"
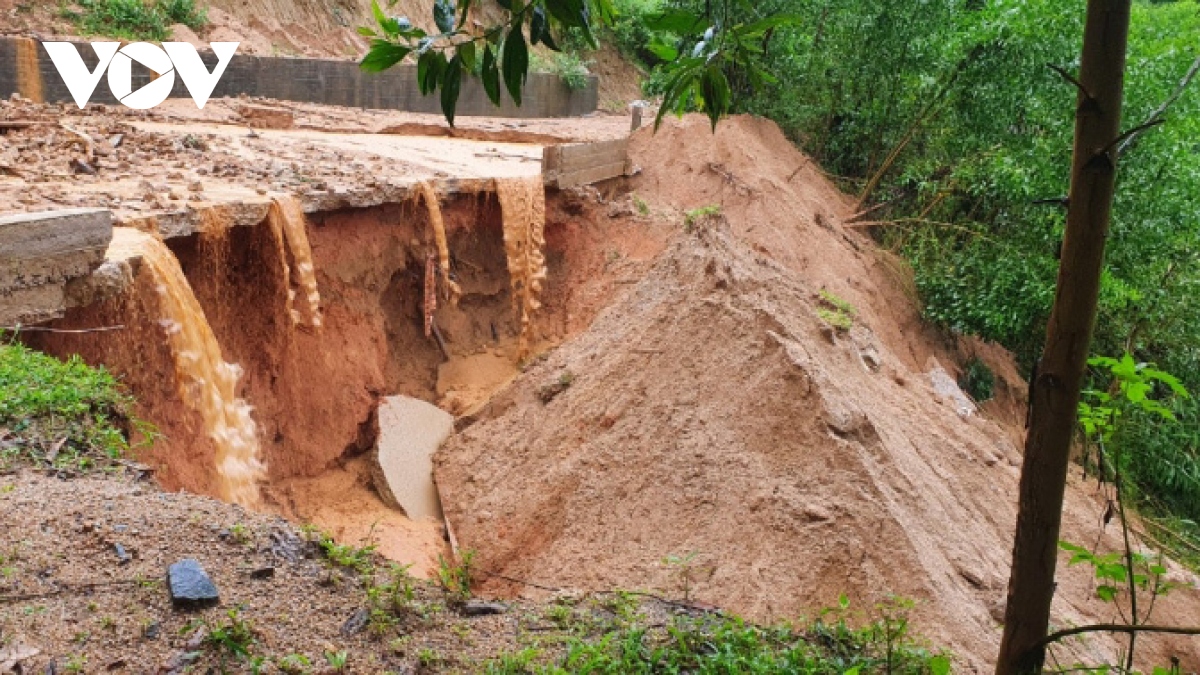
(429, 71)
(682, 77)
(538, 25)
(451, 82)
(466, 51)
(663, 50)
(573, 13)
(464, 9)
(383, 55)
(717, 97)
(515, 65)
(377, 12)
(490, 75)
(678, 21)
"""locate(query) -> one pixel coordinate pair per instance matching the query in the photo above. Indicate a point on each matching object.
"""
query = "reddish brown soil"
(713, 410)
(709, 409)
(314, 390)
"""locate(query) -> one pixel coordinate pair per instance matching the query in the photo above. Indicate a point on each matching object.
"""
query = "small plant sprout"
(835, 311)
(429, 657)
(360, 559)
(294, 664)
(684, 568)
(241, 534)
(697, 216)
(232, 638)
(547, 392)
(337, 660)
(455, 579)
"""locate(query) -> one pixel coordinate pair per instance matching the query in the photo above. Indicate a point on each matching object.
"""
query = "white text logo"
(165, 61)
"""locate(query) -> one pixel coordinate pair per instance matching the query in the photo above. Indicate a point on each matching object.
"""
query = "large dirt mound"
(716, 410)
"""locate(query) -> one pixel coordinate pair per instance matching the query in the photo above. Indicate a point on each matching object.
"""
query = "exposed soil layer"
(717, 408)
(757, 394)
(314, 389)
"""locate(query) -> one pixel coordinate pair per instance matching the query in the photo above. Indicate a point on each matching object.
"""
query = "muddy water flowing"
(29, 75)
(523, 203)
(207, 383)
(439, 235)
(287, 222)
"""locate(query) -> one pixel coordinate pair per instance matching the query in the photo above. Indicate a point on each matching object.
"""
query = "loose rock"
(356, 623)
(478, 608)
(190, 586)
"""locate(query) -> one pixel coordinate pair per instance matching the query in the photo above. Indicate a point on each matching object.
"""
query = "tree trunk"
(1054, 393)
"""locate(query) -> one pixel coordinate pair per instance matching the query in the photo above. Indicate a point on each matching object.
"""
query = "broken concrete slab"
(410, 431)
(52, 246)
(41, 252)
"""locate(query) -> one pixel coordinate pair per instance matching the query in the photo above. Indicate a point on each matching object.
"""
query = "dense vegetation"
(952, 120)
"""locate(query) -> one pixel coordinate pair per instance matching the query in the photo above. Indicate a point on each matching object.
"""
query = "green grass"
(836, 312)
(61, 414)
(185, 12)
(714, 644)
(136, 19)
(358, 558)
(695, 216)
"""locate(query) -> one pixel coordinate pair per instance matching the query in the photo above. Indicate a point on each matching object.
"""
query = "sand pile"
(717, 409)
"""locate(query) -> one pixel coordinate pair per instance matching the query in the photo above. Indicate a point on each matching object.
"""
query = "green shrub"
(568, 66)
(137, 19)
(632, 34)
(185, 12)
(978, 380)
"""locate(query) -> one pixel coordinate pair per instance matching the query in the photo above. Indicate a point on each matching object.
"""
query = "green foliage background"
(972, 191)
(984, 131)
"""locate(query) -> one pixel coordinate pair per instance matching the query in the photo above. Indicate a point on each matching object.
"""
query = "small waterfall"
(523, 206)
(439, 233)
(288, 223)
(207, 383)
(29, 74)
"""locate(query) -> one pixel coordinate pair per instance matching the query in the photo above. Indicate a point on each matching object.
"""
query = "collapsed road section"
(263, 288)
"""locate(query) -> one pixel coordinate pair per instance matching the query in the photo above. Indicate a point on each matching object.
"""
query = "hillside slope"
(717, 410)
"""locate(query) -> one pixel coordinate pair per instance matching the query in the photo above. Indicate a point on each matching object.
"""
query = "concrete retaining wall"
(26, 68)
